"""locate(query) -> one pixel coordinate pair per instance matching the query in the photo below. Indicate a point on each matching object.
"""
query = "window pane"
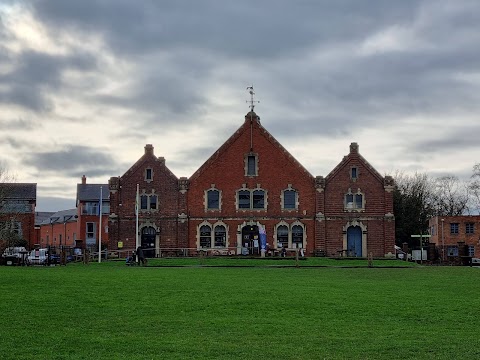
(220, 236)
(358, 201)
(452, 251)
(258, 199)
(469, 228)
(454, 228)
(244, 199)
(148, 174)
(153, 202)
(213, 199)
(251, 166)
(205, 236)
(282, 236)
(144, 202)
(297, 235)
(349, 201)
(471, 250)
(289, 199)
(354, 173)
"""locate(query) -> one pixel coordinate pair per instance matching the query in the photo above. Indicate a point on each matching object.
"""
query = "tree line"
(419, 197)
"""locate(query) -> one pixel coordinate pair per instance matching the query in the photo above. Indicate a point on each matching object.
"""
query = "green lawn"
(111, 311)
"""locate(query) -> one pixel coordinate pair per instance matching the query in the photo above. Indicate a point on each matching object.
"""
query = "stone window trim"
(152, 198)
(354, 206)
(251, 191)
(246, 162)
(282, 199)
(212, 228)
(205, 199)
(290, 234)
(148, 175)
(354, 172)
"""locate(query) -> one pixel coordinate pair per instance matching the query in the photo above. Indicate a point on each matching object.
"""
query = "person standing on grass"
(141, 256)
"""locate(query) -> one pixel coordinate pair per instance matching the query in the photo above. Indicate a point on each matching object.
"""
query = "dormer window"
(251, 165)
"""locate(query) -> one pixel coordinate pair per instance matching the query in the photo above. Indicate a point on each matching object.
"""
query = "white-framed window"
(289, 199)
(213, 198)
(354, 201)
(469, 228)
(255, 199)
(212, 236)
(452, 250)
(90, 230)
(290, 235)
(453, 228)
(251, 164)
(471, 250)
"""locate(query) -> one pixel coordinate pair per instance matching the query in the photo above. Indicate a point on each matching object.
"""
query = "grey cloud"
(52, 203)
(18, 124)
(73, 161)
(461, 139)
(37, 74)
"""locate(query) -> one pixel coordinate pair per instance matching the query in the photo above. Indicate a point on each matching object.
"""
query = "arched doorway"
(354, 241)
(148, 241)
(250, 239)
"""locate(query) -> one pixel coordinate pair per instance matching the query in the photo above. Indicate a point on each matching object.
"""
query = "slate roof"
(58, 217)
(18, 191)
(41, 216)
(91, 192)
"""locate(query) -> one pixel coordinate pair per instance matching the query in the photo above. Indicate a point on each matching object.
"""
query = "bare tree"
(452, 196)
(8, 235)
(474, 188)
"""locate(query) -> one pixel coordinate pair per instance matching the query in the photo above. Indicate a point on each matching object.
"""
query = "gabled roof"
(251, 116)
(18, 191)
(353, 153)
(148, 154)
(91, 192)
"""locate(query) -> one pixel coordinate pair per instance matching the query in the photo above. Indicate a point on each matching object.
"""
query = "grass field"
(111, 311)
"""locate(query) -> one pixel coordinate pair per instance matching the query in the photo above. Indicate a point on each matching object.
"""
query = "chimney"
(84, 180)
(149, 149)
(353, 147)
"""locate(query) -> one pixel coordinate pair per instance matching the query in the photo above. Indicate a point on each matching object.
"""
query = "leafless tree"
(452, 196)
(474, 188)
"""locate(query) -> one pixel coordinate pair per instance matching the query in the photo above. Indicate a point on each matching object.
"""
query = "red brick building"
(355, 209)
(455, 236)
(251, 182)
(88, 215)
(161, 208)
(251, 185)
(17, 211)
(59, 229)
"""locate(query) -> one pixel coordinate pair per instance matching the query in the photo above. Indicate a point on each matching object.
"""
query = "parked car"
(14, 255)
(38, 257)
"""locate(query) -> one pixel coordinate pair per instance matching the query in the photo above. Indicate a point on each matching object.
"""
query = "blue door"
(354, 241)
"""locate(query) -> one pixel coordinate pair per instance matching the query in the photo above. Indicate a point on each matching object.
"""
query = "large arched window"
(205, 236)
(289, 199)
(282, 236)
(244, 199)
(220, 236)
(297, 236)
(258, 199)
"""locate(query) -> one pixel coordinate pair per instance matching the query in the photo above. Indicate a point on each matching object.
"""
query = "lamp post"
(443, 243)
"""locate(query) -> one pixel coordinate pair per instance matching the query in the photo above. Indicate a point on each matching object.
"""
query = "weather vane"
(252, 101)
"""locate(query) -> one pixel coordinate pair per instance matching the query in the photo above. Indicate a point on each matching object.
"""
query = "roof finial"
(252, 101)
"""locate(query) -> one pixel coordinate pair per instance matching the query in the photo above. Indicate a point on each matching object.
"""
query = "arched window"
(282, 236)
(354, 201)
(220, 236)
(205, 236)
(259, 199)
(297, 236)
(144, 202)
(244, 199)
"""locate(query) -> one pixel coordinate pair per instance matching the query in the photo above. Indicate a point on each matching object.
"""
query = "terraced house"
(249, 187)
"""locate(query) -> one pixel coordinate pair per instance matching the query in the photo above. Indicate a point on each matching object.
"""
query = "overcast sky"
(84, 85)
